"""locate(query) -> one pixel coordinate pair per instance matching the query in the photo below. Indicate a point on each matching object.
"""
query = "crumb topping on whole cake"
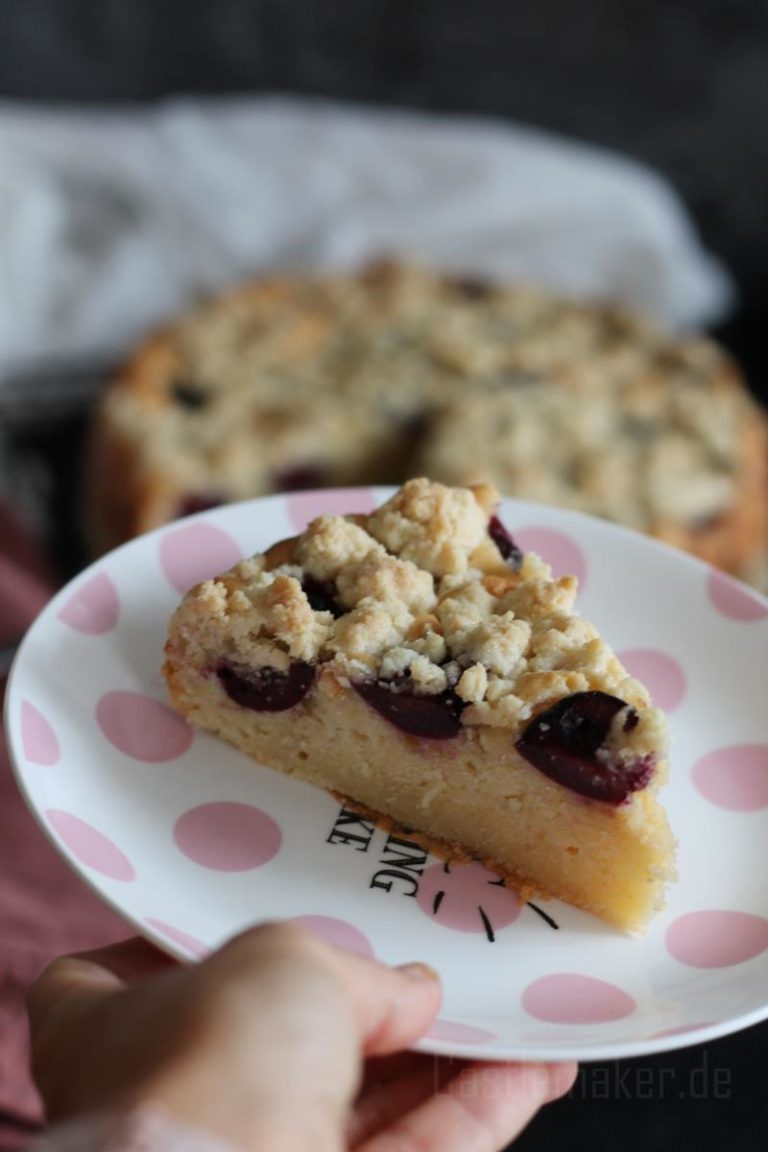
(358, 377)
(419, 600)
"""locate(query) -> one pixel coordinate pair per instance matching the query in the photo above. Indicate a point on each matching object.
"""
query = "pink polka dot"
(717, 938)
(41, 745)
(227, 837)
(302, 507)
(570, 998)
(90, 846)
(661, 674)
(467, 898)
(452, 1032)
(195, 552)
(735, 778)
(142, 727)
(189, 943)
(94, 608)
(561, 552)
(732, 599)
(337, 932)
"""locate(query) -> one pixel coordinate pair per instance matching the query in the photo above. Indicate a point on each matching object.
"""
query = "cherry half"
(266, 689)
(473, 287)
(505, 544)
(322, 596)
(189, 396)
(563, 741)
(200, 502)
(435, 717)
(300, 477)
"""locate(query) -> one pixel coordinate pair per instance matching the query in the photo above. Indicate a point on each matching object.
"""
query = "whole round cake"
(393, 371)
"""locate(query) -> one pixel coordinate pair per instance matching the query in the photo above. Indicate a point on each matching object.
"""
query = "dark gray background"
(681, 84)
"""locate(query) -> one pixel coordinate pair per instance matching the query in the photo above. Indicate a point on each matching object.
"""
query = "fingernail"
(418, 971)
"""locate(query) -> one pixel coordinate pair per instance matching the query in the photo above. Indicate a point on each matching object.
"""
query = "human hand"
(275, 1041)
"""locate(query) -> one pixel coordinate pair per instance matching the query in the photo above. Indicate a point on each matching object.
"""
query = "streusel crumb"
(413, 605)
(435, 527)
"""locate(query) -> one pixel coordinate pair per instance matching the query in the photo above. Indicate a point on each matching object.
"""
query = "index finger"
(129, 961)
(98, 971)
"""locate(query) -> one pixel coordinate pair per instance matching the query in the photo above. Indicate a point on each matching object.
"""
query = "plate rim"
(555, 1053)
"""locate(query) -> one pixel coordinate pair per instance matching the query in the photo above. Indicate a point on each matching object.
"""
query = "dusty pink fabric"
(44, 909)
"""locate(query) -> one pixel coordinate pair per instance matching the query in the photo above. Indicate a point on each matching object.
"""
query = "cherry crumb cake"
(415, 662)
(394, 371)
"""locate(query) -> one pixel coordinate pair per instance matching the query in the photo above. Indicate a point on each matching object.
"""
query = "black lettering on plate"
(405, 854)
(352, 829)
(385, 878)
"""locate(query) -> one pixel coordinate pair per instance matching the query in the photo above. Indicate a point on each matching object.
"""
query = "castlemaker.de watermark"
(701, 1080)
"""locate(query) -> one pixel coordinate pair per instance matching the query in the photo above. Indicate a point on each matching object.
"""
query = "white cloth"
(111, 220)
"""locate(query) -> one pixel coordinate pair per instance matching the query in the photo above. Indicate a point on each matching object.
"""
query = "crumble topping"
(255, 617)
(389, 581)
(396, 370)
(507, 645)
(431, 526)
(331, 544)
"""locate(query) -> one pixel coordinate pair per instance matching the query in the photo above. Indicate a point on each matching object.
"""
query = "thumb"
(71, 1003)
(72, 984)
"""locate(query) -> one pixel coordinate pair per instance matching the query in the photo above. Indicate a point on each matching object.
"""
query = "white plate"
(190, 841)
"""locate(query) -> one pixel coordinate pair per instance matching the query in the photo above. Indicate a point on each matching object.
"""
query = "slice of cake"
(417, 663)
